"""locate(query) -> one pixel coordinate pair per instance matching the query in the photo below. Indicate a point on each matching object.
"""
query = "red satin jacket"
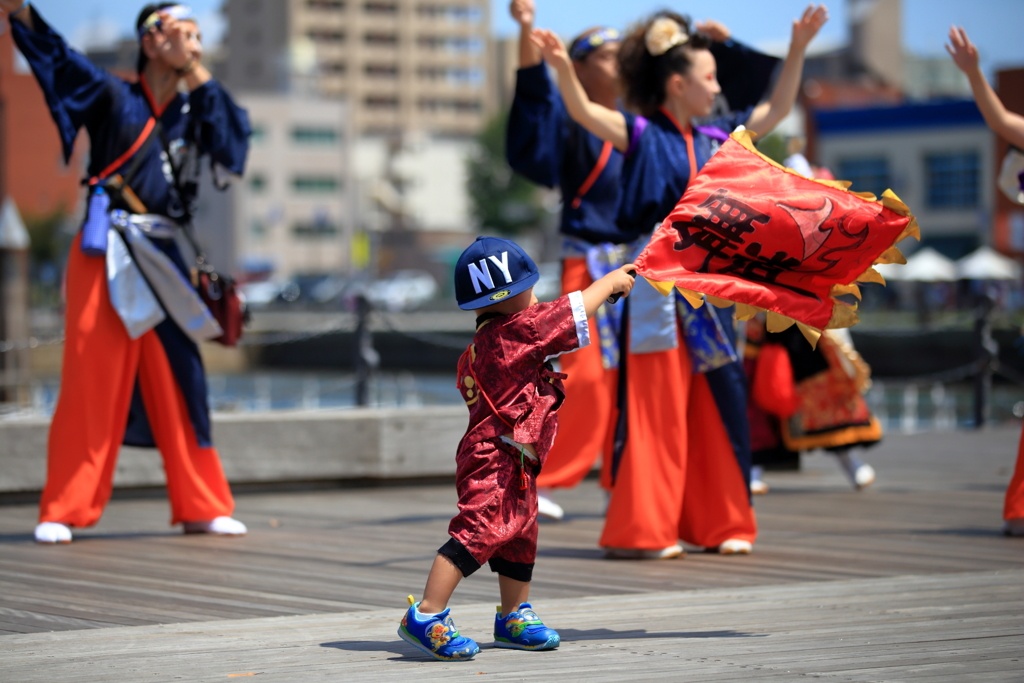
(506, 379)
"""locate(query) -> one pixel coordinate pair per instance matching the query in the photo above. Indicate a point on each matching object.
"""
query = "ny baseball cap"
(491, 270)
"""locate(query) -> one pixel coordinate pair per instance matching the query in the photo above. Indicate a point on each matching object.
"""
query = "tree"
(773, 146)
(501, 201)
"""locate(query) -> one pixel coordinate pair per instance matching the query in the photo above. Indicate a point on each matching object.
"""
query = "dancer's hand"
(523, 12)
(962, 50)
(184, 47)
(808, 25)
(552, 48)
(716, 30)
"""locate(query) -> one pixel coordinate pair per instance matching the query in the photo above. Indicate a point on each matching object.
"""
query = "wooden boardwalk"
(908, 580)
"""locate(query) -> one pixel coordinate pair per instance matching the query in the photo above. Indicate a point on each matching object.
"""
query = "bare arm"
(619, 280)
(607, 124)
(24, 15)
(523, 12)
(768, 114)
(1004, 123)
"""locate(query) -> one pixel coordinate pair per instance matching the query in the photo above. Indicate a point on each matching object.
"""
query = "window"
(437, 104)
(454, 75)
(334, 68)
(952, 180)
(326, 35)
(868, 174)
(459, 44)
(315, 184)
(380, 7)
(381, 102)
(315, 229)
(453, 13)
(381, 70)
(381, 39)
(259, 134)
(257, 183)
(325, 4)
(309, 135)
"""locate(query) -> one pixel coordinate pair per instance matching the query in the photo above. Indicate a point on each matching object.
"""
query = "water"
(901, 407)
(290, 391)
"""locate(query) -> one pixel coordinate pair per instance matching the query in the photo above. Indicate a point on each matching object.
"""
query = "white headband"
(663, 35)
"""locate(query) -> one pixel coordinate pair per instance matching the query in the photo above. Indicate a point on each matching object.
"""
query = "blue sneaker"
(436, 635)
(523, 630)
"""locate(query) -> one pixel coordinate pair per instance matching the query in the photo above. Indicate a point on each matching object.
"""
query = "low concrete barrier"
(279, 446)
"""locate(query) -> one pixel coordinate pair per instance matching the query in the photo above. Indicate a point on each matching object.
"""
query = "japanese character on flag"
(756, 234)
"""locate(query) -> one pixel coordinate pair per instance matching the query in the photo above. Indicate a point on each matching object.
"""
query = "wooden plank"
(933, 511)
(910, 628)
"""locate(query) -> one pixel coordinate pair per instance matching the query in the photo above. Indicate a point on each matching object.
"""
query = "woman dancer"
(680, 428)
(545, 145)
(1010, 127)
(551, 149)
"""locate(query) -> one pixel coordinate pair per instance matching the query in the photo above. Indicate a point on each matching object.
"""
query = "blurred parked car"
(258, 294)
(406, 290)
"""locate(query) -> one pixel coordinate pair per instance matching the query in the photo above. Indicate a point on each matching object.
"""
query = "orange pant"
(678, 477)
(101, 364)
(1014, 507)
(584, 420)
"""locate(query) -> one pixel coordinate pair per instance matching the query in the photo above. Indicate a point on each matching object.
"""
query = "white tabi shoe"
(757, 485)
(548, 508)
(220, 526)
(736, 546)
(53, 532)
(861, 474)
(644, 553)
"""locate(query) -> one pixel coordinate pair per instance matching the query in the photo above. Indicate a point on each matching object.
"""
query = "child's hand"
(552, 48)
(523, 12)
(621, 280)
(716, 30)
(962, 50)
(808, 25)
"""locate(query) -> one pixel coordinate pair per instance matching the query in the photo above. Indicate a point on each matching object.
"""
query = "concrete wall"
(275, 447)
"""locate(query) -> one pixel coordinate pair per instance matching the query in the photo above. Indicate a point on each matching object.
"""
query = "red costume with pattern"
(510, 389)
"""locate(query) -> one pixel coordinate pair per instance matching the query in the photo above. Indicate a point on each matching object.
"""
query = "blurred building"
(32, 168)
(293, 211)
(937, 156)
(402, 64)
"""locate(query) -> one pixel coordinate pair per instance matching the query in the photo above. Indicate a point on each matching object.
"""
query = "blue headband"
(179, 12)
(588, 42)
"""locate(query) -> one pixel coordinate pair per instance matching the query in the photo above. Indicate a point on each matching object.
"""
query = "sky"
(997, 26)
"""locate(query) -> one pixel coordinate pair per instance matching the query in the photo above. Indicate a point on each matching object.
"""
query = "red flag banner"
(751, 232)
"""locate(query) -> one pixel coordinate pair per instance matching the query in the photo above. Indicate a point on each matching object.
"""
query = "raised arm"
(1004, 123)
(607, 124)
(76, 91)
(19, 11)
(768, 114)
(523, 12)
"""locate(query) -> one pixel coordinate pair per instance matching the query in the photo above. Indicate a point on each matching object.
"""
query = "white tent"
(925, 265)
(987, 264)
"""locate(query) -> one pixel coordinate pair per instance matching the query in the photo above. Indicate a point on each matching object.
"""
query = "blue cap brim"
(513, 289)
